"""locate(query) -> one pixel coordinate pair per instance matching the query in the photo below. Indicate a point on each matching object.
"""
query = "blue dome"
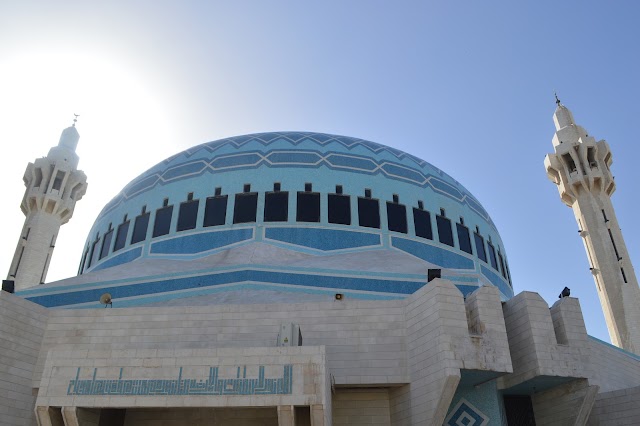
(310, 193)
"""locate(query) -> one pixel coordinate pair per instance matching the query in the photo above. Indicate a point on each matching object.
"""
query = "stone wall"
(621, 407)
(361, 407)
(22, 326)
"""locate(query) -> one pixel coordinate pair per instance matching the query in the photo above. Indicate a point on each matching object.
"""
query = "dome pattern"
(285, 216)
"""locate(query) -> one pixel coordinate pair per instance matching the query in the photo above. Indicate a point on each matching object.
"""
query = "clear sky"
(467, 86)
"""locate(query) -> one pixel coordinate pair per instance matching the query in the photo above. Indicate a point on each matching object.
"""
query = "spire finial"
(557, 100)
(75, 119)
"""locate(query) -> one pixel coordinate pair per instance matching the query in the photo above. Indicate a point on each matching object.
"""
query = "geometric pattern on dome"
(172, 169)
(465, 414)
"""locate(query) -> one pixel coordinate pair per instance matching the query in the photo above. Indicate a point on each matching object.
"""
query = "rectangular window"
(163, 221)
(482, 254)
(188, 215)
(140, 228)
(308, 206)
(246, 207)
(57, 182)
(121, 236)
(445, 232)
(501, 263)
(339, 208)
(492, 256)
(94, 252)
(276, 206)
(397, 217)
(624, 276)
(464, 239)
(84, 260)
(215, 210)
(106, 243)
(368, 211)
(422, 222)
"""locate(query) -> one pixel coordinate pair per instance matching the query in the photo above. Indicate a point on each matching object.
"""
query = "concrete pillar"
(317, 415)
(286, 415)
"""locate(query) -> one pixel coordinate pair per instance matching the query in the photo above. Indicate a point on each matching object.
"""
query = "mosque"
(297, 278)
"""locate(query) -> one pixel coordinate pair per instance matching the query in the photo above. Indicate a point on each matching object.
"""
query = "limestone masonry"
(298, 278)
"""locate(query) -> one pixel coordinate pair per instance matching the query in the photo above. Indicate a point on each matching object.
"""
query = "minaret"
(54, 184)
(580, 169)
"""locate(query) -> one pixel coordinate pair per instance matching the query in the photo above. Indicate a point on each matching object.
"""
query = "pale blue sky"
(467, 86)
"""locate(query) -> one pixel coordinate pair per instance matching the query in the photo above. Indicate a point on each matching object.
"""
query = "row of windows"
(308, 207)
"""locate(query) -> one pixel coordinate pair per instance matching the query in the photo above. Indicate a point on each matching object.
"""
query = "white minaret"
(54, 184)
(580, 169)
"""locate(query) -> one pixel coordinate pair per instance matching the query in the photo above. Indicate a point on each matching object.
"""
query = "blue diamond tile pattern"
(298, 149)
(465, 414)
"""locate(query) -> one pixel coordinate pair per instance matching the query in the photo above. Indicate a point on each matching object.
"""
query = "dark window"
(339, 208)
(519, 410)
(84, 260)
(338, 189)
(368, 211)
(165, 202)
(163, 221)
(308, 206)
(93, 254)
(506, 266)
(624, 276)
(501, 263)
(190, 196)
(492, 256)
(367, 193)
(464, 240)
(396, 216)
(422, 222)
(121, 236)
(420, 205)
(482, 254)
(276, 206)
(445, 232)
(188, 214)
(218, 191)
(106, 243)
(246, 187)
(246, 207)
(276, 187)
(57, 182)
(140, 228)
(215, 210)
(308, 187)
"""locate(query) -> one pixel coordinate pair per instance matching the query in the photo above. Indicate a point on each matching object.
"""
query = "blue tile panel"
(497, 280)
(467, 415)
(211, 385)
(201, 242)
(218, 156)
(126, 257)
(435, 255)
(224, 278)
(323, 239)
